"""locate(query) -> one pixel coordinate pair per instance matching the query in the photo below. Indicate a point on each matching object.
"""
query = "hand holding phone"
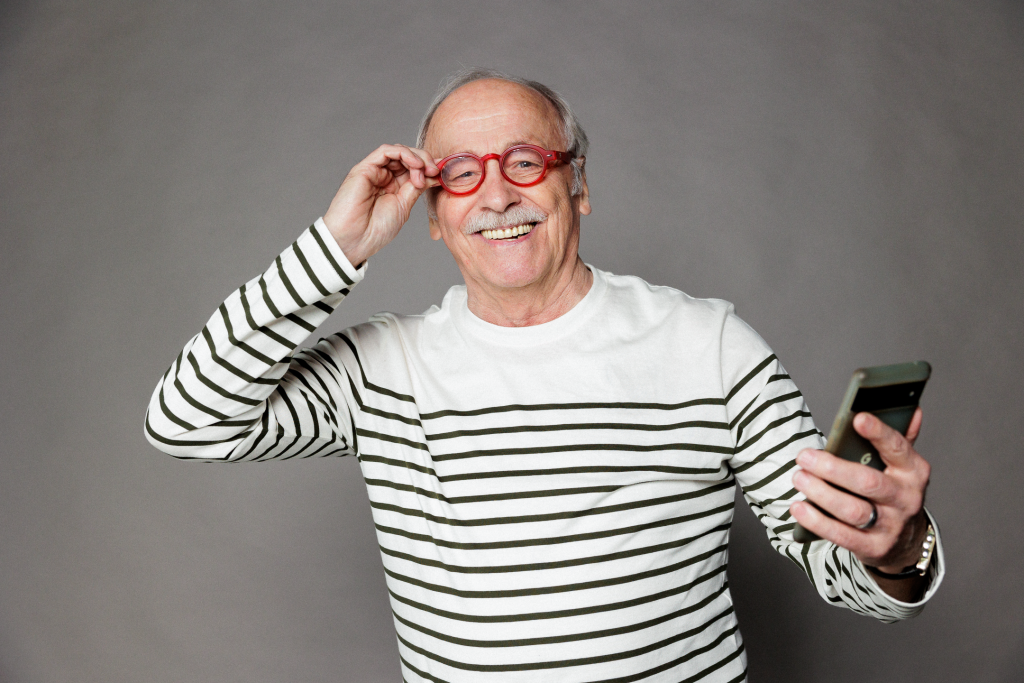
(891, 393)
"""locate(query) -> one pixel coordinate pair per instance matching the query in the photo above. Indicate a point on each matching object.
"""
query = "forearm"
(775, 426)
(213, 401)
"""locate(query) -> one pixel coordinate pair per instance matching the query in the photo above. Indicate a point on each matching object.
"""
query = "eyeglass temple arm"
(564, 157)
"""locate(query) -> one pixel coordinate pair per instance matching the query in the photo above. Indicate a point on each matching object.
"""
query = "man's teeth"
(506, 233)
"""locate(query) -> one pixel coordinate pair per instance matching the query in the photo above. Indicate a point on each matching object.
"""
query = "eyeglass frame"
(549, 156)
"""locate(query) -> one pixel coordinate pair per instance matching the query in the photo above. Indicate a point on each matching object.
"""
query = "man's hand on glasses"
(376, 198)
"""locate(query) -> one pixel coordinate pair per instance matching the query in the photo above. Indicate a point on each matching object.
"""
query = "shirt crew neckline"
(468, 323)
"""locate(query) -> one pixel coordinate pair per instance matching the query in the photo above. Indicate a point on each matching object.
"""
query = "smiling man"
(551, 454)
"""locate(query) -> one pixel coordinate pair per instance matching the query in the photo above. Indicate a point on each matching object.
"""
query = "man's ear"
(584, 193)
(435, 227)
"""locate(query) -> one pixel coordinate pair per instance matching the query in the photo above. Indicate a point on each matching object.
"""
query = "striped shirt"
(553, 502)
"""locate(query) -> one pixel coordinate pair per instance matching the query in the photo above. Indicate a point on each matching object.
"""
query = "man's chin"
(508, 273)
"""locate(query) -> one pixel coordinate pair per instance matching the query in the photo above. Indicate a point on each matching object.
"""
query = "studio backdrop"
(848, 174)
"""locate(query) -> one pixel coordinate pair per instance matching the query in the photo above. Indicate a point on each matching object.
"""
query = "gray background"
(849, 174)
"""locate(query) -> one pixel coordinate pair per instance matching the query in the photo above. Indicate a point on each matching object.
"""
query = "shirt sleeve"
(770, 424)
(240, 389)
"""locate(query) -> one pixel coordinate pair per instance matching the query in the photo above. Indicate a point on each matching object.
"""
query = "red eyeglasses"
(522, 165)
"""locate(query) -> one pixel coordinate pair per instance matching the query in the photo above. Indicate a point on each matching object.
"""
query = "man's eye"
(524, 163)
(461, 171)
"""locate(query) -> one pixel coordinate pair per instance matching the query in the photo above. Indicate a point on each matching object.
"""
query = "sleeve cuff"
(347, 275)
(936, 572)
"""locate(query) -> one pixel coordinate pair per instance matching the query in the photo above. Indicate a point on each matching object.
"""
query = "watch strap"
(920, 568)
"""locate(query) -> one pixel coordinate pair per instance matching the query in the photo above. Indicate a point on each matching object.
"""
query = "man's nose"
(497, 193)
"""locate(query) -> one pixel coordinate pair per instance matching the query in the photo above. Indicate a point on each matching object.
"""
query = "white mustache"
(517, 215)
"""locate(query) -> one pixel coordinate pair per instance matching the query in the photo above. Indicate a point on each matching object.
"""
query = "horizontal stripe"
(585, 661)
(489, 497)
(568, 514)
(563, 613)
(562, 588)
(551, 472)
(568, 448)
(621, 405)
(560, 564)
(569, 637)
(553, 540)
(693, 424)
(685, 658)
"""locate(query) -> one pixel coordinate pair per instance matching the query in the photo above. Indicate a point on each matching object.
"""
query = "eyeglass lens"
(521, 165)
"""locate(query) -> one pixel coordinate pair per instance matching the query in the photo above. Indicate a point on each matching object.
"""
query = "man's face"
(489, 116)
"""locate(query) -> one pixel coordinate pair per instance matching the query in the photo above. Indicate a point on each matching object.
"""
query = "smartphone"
(891, 393)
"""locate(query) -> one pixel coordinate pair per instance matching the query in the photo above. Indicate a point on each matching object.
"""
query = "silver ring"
(871, 520)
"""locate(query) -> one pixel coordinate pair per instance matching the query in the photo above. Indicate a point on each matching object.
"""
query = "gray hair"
(575, 139)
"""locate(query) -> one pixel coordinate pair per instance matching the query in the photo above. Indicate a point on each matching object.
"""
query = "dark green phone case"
(890, 392)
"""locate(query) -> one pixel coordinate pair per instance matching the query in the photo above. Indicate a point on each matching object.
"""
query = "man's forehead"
(505, 112)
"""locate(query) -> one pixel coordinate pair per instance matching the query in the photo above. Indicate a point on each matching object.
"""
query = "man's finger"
(894, 448)
(845, 507)
(408, 194)
(858, 479)
(429, 165)
(915, 426)
(812, 519)
(394, 157)
(400, 160)
(413, 157)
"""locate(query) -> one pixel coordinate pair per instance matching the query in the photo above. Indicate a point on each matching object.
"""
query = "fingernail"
(805, 458)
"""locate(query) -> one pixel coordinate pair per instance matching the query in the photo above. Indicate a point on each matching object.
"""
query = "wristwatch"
(920, 568)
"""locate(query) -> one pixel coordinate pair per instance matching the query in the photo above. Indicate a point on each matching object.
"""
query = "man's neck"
(533, 305)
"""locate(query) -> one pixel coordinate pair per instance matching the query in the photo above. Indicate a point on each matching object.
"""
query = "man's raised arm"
(239, 390)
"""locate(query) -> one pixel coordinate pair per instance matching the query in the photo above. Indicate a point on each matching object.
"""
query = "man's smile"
(508, 234)
(516, 221)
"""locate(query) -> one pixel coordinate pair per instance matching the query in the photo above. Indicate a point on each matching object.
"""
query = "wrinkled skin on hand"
(376, 199)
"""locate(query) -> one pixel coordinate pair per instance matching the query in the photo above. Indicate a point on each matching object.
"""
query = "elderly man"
(551, 454)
